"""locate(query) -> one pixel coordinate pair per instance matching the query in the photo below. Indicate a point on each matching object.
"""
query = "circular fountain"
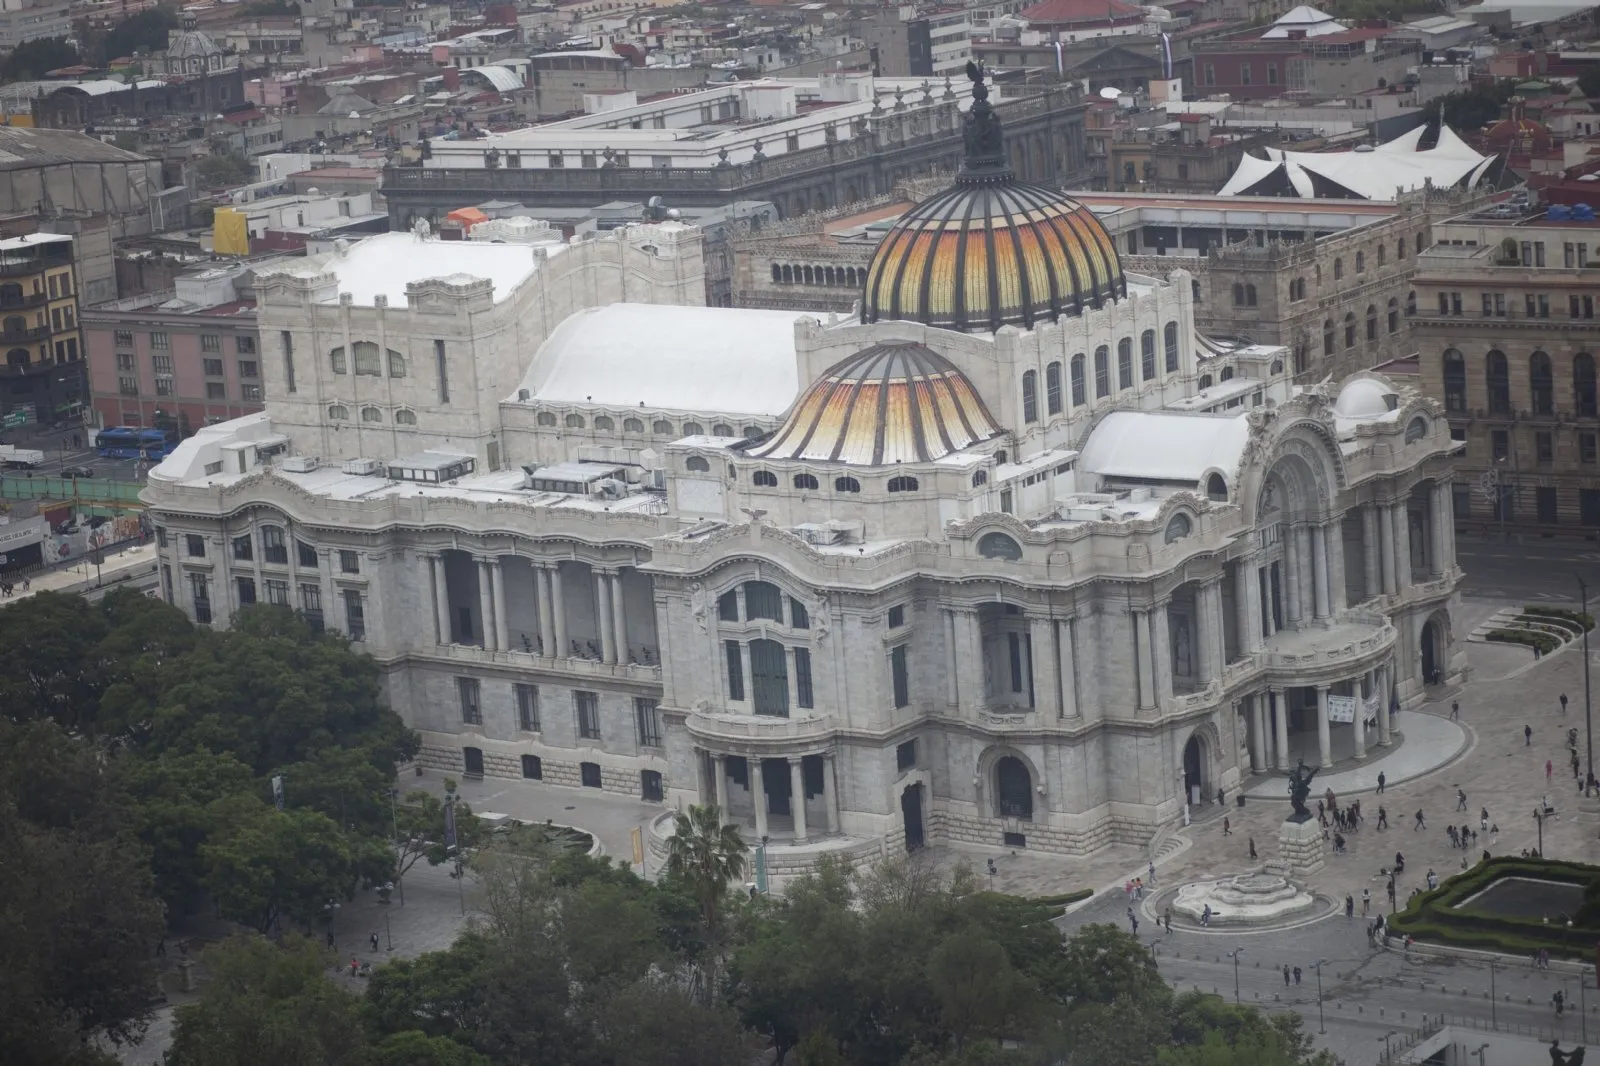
(1256, 898)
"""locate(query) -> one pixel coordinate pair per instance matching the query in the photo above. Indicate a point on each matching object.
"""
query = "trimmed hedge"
(1544, 642)
(1575, 617)
(1435, 917)
(1064, 899)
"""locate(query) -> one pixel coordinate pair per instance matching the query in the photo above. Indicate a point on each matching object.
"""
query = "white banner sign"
(1341, 708)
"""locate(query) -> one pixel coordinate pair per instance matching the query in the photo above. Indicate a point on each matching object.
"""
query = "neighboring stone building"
(1304, 51)
(39, 328)
(1012, 557)
(1508, 336)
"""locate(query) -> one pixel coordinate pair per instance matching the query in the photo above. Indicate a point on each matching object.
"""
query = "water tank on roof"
(1582, 213)
(1558, 213)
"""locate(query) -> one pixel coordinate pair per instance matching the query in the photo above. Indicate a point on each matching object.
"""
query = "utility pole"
(1322, 1027)
(1588, 703)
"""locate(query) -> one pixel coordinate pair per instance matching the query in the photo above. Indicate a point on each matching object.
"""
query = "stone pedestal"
(1300, 847)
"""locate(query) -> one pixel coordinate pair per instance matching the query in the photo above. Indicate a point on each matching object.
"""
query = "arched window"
(1030, 396)
(604, 422)
(1349, 329)
(765, 478)
(404, 417)
(1147, 354)
(692, 429)
(769, 679)
(1013, 789)
(1250, 295)
(999, 546)
(1327, 336)
(1497, 373)
(1052, 388)
(1205, 382)
(777, 275)
(762, 599)
(336, 361)
(1179, 527)
(1416, 429)
(546, 418)
(1170, 339)
(805, 481)
(661, 427)
(1125, 363)
(397, 363)
(365, 356)
(1102, 371)
(1216, 488)
(1226, 375)
(1194, 290)
(1078, 397)
(1238, 295)
(788, 274)
(697, 464)
(1276, 367)
(1394, 315)
(1583, 384)
(338, 412)
(632, 425)
(903, 484)
(1372, 323)
(753, 432)
(846, 484)
(1455, 381)
(722, 429)
(805, 272)
(574, 421)
(1361, 262)
(371, 414)
(1338, 269)
(980, 478)
(1383, 250)
(1542, 382)
(1400, 248)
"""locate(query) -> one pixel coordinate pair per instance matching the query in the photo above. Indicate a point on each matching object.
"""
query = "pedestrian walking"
(1205, 917)
(1563, 703)
(1227, 828)
(1527, 736)
(1285, 975)
(1366, 901)
(1549, 768)
(1450, 831)
(1322, 810)
(373, 940)
(1483, 819)
(1168, 916)
(1421, 823)
(1133, 921)
(1252, 848)
(1383, 818)
(1455, 710)
(354, 966)
(1152, 875)
(1433, 879)
(1138, 888)
(1222, 797)
(331, 944)
(1349, 906)
(1380, 782)
(1461, 798)
(1297, 976)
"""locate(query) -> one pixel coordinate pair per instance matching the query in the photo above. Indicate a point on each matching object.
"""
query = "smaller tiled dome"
(891, 403)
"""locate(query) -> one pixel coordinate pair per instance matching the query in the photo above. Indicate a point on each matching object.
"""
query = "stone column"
(952, 681)
(1338, 583)
(1282, 727)
(1246, 606)
(1161, 652)
(1385, 524)
(719, 767)
(758, 790)
(1381, 676)
(1066, 662)
(1319, 570)
(619, 620)
(1324, 742)
(1042, 660)
(547, 629)
(1371, 552)
(1402, 546)
(441, 597)
(797, 798)
(1439, 555)
(485, 606)
(969, 650)
(602, 617)
(502, 625)
(1208, 634)
(1141, 639)
(1258, 734)
(1291, 576)
(830, 795)
(1360, 726)
(558, 612)
(1264, 603)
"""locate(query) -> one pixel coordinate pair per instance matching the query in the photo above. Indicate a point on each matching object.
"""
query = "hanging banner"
(1341, 708)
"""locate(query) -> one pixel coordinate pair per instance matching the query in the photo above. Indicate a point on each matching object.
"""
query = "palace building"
(1009, 555)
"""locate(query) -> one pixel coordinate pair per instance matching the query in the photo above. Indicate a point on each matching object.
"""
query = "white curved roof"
(711, 360)
(500, 79)
(1361, 398)
(1163, 446)
(384, 264)
(1371, 175)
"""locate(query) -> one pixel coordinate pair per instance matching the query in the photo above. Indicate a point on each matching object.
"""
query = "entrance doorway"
(775, 780)
(911, 814)
(1193, 770)
(472, 761)
(1431, 634)
(1013, 788)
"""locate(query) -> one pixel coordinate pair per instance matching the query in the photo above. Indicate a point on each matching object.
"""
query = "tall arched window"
(1400, 248)
(1542, 382)
(1078, 397)
(1249, 295)
(1327, 336)
(1583, 384)
(1349, 329)
(1497, 373)
(1052, 388)
(365, 357)
(762, 599)
(846, 484)
(769, 678)
(1102, 372)
(1338, 269)
(902, 484)
(1238, 295)
(1455, 381)
(1372, 323)
(1226, 375)
(1383, 249)
(1013, 789)
(1147, 354)
(1030, 396)
(1125, 363)
(1361, 262)
(1394, 315)
(1170, 341)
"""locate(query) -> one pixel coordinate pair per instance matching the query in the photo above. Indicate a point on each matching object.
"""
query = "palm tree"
(707, 855)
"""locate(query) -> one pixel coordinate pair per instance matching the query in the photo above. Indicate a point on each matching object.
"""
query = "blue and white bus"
(130, 442)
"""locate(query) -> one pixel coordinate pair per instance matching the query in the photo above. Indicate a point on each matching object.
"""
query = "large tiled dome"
(891, 403)
(991, 250)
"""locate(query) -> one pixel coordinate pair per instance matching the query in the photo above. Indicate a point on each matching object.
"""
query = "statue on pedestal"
(1565, 1058)
(1299, 788)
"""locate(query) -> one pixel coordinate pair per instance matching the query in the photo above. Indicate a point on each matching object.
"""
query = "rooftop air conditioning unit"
(819, 534)
(299, 464)
(363, 467)
(610, 488)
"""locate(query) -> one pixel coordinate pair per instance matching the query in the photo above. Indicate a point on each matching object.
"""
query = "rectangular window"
(1544, 500)
(1500, 442)
(305, 553)
(125, 362)
(589, 774)
(250, 393)
(802, 677)
(467, 692)
(216, 390)
(897, 616)
(278, 593)
(195, 544)
(532, 768)
(212, 367)
(158, 342)
(247, 590)
(128, 386)
(200, 590)
(1544, 449)
(587, 705)
(648, 718)
(1461, 501)
(798, 616)
(210, 342)
(243, 548)
(123, 338)
(1587, 443)
(899, 675)
(163, 385)
(288, 359)
(1589, 507)
(161, 364)
(311, 606)
(1272, 73)
(444, 371)
(735, 671)
(1244, 73)
(349, 562)
(905, 756)
(272, 546)
(245, 345)
(55, 286)
(355, 615)
(650, 786)
(527, 707)
(1211, 74)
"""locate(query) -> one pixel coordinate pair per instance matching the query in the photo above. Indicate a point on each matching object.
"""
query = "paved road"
(1527, 568)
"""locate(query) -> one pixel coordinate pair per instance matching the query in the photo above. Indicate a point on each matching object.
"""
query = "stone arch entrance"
(911, 815)
(1195, 777)
(1013, 788)
(1432, 644)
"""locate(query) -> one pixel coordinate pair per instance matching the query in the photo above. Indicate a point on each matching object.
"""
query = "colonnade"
(718, 766)
(1267, 714)
(1051, 657)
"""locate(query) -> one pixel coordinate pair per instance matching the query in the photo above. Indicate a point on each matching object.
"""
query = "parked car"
(76, 471)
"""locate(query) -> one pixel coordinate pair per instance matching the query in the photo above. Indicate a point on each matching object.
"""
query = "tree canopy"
(35, 58)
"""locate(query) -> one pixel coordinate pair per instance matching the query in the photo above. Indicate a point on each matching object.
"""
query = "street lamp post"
(1322, 1027)
(1588, 705)
(394, 819)
(1538, 817)
(1234, 954)
(1494, 1016)
(1393, 891)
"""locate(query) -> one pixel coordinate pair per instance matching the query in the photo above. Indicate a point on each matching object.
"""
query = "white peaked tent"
(1305, 20)
(1366, 175)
